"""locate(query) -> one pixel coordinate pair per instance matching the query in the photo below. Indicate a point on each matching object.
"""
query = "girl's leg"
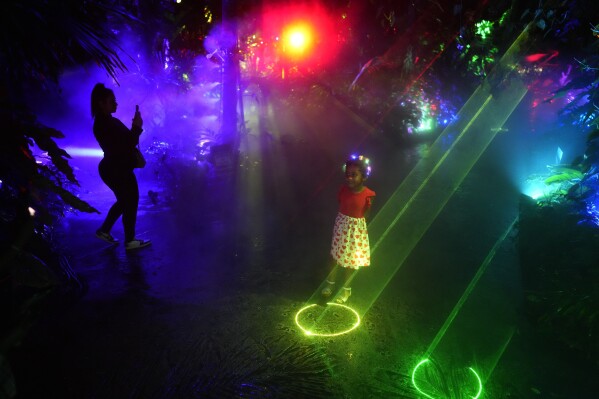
(334, 270)
(329, 285)
(331, 278)
(348, 276)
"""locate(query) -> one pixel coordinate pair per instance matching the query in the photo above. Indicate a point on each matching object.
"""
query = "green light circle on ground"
(414, 378)
(311, 333)
(480, 383)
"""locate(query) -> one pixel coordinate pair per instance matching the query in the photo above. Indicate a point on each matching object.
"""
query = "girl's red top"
(354, 204)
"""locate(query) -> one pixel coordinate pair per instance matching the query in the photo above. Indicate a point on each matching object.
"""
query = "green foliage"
(484, 29)
(20, 171)
(270, 368)
(564, 174)
(560, 275)
(576, 185)
(40, 38)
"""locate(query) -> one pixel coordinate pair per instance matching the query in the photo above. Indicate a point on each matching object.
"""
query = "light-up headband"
(359, 159)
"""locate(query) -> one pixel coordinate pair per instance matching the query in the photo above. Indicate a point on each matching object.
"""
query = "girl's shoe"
(328, 290)
(344, 295)
(136, 244)
(106, 237)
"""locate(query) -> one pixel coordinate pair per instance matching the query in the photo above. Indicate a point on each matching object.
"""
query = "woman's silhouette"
(116, 168)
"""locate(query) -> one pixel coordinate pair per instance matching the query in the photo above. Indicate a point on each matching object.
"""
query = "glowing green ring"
(313, 334)
(414, 378)
(480, 383)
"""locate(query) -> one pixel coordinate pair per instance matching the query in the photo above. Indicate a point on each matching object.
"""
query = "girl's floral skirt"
(350, 246)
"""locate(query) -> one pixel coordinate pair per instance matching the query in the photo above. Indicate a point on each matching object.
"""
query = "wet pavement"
(208, 311)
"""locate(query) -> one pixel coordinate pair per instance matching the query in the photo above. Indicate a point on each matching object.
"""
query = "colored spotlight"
(298, 39)
(306, 32)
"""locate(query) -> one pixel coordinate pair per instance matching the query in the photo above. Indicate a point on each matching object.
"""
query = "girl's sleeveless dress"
(350, 246)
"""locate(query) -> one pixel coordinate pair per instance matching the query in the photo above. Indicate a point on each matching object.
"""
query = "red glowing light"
(306, 32)
(535, 57)
(298, 39)
(541, 56)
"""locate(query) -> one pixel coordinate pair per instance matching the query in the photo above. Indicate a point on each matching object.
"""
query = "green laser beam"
(416, 203)
(501, 352)
(458, 306)
(429, 199)
(427, 179)
(411, 210)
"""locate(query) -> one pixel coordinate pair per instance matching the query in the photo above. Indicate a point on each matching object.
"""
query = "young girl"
(350, 248)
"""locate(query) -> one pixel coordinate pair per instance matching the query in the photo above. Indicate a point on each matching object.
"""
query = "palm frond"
(40, 38)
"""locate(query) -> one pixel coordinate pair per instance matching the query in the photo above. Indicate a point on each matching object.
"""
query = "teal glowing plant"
(576, 184)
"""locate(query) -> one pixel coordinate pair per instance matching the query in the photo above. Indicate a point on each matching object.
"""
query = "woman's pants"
(123, 184)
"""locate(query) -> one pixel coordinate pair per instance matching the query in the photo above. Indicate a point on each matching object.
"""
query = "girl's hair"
(361, 162)
(99, 94)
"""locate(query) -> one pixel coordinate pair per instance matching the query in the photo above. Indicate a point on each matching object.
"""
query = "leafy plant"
(269, 368)
(560, 275)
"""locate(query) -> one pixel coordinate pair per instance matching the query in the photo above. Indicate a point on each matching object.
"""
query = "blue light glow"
(592, 210)
(85, 152)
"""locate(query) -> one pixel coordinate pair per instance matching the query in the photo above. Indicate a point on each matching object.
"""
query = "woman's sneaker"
(136, 244)
(106, 237)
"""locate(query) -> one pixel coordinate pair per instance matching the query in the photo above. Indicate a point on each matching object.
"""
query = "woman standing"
(116, 168)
